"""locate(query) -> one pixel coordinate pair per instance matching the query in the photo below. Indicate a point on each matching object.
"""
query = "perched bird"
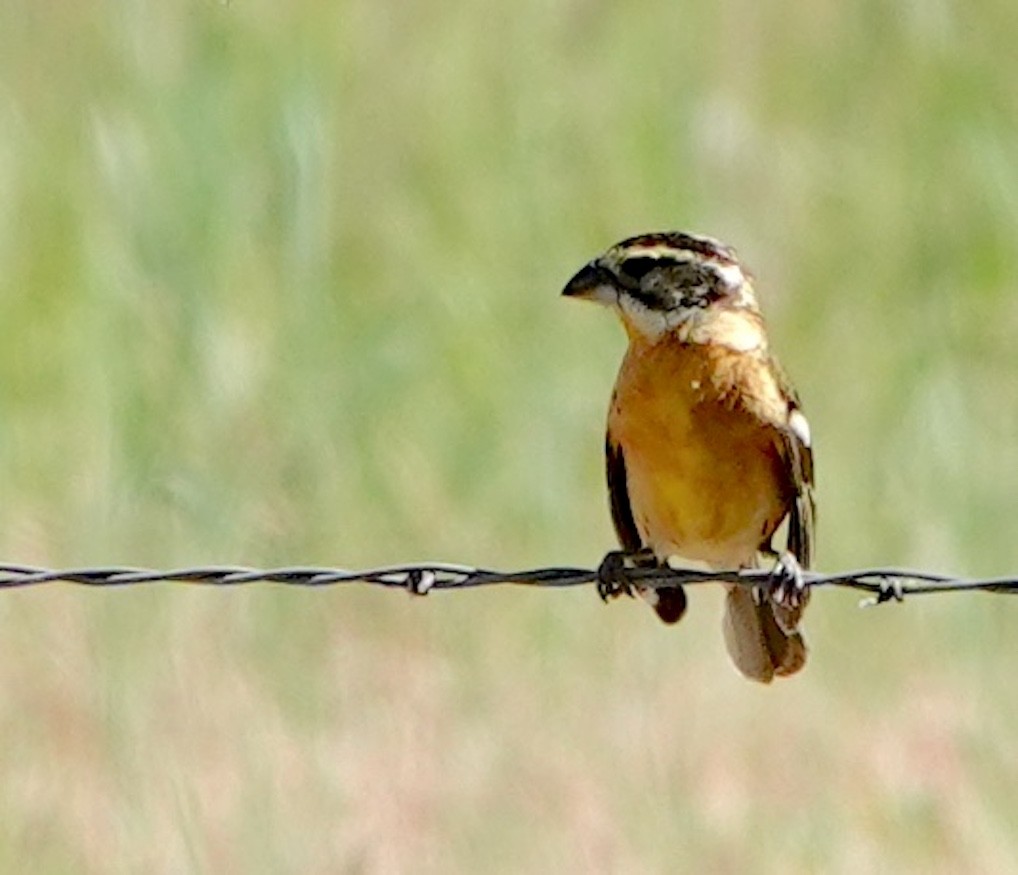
(707, 449)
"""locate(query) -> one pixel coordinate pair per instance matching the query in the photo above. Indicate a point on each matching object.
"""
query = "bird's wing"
(669, 602)
(798, 452)
(618, 494)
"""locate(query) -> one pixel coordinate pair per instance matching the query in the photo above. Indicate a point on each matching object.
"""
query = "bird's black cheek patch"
(633, 270)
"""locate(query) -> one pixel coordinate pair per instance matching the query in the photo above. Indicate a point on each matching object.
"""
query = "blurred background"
(279, 285)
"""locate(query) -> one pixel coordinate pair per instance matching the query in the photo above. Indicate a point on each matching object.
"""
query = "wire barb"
(882, 584)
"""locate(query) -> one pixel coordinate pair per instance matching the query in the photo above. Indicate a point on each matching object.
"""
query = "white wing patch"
(799, 426)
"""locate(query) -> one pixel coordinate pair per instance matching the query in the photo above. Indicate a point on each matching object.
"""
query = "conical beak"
(592, 283)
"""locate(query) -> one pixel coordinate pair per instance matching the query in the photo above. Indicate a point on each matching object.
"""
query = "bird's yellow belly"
(703, 474)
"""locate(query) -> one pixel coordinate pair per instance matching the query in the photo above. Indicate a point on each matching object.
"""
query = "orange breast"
(705, 475)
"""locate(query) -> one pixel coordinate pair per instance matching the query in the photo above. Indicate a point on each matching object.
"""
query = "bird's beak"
(592, 283)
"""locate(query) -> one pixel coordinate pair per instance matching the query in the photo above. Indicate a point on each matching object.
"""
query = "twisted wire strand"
(882, 584)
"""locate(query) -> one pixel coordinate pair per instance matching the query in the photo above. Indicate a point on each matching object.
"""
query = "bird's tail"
(762, 638)
(668, 602)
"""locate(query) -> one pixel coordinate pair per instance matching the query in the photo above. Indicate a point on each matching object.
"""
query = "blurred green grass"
(278, 285)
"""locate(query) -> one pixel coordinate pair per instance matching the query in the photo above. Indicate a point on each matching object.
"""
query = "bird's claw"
(788, 586)
(612, 580)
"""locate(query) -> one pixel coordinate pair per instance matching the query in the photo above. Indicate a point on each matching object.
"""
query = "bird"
(707, 449)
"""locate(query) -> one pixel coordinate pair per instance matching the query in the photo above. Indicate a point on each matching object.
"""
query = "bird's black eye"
(636, 268)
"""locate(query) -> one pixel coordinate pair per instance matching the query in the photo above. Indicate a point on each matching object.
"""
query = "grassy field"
(278, 285)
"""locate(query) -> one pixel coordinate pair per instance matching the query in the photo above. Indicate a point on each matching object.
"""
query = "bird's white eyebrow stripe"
(661, 252)
(731, 274)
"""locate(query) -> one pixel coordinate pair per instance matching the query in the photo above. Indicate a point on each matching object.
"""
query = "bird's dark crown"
(678, 243)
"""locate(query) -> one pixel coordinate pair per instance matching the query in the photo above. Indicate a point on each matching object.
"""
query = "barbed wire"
(883, 584)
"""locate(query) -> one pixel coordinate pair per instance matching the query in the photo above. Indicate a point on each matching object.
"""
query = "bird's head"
(665, 282)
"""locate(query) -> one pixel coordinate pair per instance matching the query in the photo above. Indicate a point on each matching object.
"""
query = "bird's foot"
(788, 586)
(612, 574)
